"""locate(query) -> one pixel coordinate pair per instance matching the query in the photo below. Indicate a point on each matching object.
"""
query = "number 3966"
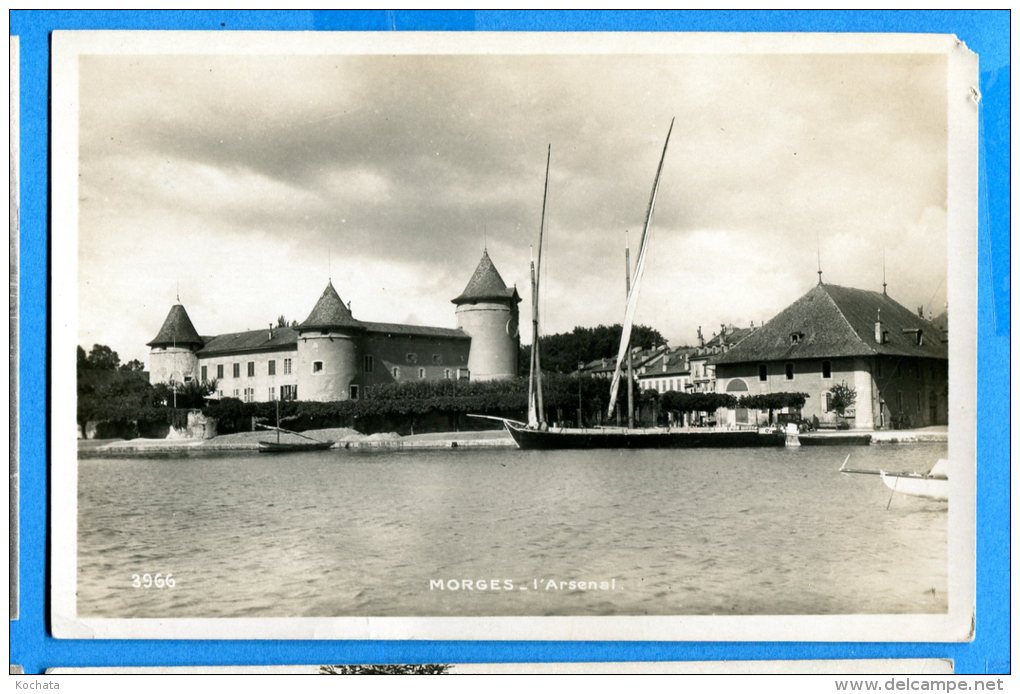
(153, 581)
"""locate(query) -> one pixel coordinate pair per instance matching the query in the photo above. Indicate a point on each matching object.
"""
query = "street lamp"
(580, 421)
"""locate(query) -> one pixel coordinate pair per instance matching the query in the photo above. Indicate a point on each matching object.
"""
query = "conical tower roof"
(177, 330)
(486, 284)
(330, 312)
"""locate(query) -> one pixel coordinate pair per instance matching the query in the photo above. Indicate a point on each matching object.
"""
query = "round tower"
(173, 353)
(327, 350)
(487, 311)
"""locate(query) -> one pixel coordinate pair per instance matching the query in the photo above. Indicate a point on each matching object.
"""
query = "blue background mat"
(985, 32)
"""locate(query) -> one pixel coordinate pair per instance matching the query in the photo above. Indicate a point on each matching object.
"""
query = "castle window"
(251, 369)
(369, 363)
(249, 394)
(286, 366)
(826, 369)
(411, 358)
(421, 373)
(396, 373)
(237, 393)
(237, 372)
(205, 373)
(446, 373)
(437, 358)
(354, 392)
(828, 402)
(288, 392)
(763, 372)
(789, 371)
(272, 367)
(796, 338)
(316, 367)
(219, 371)
(272, 393)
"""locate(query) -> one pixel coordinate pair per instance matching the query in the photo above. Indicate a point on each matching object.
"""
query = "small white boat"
(931, 485)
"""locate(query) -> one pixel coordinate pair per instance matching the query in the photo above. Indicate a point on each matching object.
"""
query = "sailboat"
(537, 434)
(279, 446)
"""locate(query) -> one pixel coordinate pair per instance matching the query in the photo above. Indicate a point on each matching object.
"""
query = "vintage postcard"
(513, 336)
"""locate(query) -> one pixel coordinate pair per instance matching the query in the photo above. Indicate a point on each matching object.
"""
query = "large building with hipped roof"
(895, 359)
(332, 355)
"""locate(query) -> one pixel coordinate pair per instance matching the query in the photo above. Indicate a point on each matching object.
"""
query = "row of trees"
(562, 351)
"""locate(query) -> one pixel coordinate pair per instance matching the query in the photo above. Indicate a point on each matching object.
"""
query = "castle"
(332, 355)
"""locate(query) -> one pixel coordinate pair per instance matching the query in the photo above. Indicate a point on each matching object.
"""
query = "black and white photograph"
(532, 336)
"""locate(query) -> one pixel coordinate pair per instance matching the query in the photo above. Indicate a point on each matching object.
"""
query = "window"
(369, 363)
(789, 371)
(828, 402)
(796, 338)
(446, 373)
(286, 366)
(437, 358)
(249, 394)
(237, 371)
(251, 369)
(272, 367)
(396, 373)
(219, 393)
(421, 373)
(316, 367)
(288, 392)
(763, 372)
(205, 373)
(219, 371)
(354, 392)
(411, 358)
(826, 369)
(272, 393)
(237, 393)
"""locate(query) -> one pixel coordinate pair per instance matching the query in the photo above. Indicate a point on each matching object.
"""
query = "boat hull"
(835, 439)
(934, 488)
(273, 447)
(532, 439)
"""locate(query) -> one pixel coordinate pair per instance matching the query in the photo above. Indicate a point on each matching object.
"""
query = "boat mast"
(536, 286)
(639, 268)
(630, 360)
(532, 402)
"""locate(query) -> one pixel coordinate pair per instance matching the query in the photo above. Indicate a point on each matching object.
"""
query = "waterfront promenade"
(351, 439)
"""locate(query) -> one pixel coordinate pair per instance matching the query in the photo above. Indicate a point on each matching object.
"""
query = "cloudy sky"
(248, 181)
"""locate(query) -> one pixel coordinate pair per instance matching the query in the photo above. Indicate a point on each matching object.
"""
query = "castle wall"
(263, 386)
(414, 357)
(172, 363)
(494, 342)
(327, 365)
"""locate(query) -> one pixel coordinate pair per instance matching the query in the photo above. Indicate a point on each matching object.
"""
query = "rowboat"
(292, 447)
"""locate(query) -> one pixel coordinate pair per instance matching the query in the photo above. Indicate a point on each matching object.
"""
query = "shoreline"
(348, 439)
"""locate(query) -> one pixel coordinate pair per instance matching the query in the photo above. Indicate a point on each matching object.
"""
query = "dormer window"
(411, 358)
(796, 338)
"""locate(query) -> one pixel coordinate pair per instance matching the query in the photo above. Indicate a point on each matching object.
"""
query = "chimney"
(701, 338)
(879, 338)
(270, 331)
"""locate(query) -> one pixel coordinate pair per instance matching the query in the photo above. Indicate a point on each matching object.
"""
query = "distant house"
(895, 359)
(668, 370)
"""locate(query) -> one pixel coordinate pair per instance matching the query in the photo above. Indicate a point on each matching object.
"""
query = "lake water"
(681, 532)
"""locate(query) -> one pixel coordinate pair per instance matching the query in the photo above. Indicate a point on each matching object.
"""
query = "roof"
(177, 330)
(330, 312)
(415, 330)
(250, 341)
(486, 283)
(834, 321)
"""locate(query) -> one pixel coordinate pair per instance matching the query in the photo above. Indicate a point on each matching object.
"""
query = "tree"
(281, 321)
(773, 401)
(561, 352)
(843, 397)
(133, 365)
(103, 358)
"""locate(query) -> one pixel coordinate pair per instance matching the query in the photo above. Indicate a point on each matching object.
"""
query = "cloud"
(248, 179)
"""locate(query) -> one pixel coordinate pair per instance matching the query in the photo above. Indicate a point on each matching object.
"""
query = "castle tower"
(487, 311)
(173, 353)
(327, 350)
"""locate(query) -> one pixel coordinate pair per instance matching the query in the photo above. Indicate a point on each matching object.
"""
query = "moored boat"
(618, 437)
(933, 484)
(293, 447)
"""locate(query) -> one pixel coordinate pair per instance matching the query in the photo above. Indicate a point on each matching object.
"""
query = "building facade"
(332, 356)
(894, 360)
